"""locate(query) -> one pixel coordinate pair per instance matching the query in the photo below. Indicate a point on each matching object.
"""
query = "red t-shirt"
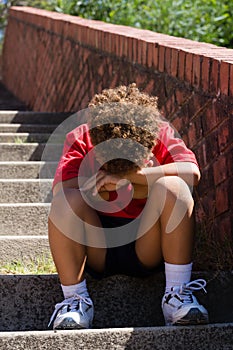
(78, 159)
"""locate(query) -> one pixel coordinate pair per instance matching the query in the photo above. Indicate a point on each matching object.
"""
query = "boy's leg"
(166, 232)
(73, 239)
(166, 229)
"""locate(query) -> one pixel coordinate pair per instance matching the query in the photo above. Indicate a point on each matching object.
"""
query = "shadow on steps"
(27, 302)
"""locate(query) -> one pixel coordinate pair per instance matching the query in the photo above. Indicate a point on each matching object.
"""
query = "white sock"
(79, 288)
(177, 274)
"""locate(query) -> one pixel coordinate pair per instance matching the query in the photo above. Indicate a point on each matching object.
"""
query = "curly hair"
(123, 128)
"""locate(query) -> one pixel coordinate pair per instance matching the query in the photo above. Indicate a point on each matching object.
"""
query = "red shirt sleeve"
(76, 146)
(171, 148)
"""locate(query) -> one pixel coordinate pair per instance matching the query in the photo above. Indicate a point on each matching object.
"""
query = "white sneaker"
(180, 307)
(73, 313)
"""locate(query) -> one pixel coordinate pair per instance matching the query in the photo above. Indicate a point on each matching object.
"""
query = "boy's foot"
(73, 313)
(180, 307)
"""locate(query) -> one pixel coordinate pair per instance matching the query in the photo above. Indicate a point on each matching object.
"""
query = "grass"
(209, 255)
(36, 266)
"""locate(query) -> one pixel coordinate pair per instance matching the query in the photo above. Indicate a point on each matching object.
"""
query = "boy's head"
(123, 128)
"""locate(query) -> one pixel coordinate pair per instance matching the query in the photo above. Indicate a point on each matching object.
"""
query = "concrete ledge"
(27, 301)
(25, 190)
(30, 151)
(30, 128)
(210, 337)
(24, 218)
(22, 248)
(25, 137)
(27, 170)
(28, 117)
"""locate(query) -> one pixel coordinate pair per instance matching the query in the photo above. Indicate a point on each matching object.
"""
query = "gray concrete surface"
(210, 337)
(25, 190)
(24, 218)
(30, 128)
(29, 151)
(30, 117)
(23, 248)
(27, 302)
(23, 137)
(27, 170)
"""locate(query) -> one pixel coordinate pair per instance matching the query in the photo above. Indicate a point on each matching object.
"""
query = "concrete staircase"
(127, 310)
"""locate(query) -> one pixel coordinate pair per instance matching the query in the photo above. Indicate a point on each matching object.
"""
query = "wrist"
(137, 177)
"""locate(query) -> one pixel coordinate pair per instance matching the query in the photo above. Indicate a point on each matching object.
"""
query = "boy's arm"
(71, 183)
(77, 183)
(187, 171)
(144, 178)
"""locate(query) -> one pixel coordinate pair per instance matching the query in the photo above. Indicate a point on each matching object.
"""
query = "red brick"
(222, 202)
(149, 60)
(144, 53)
(208, 203)
(196, 79)
(225, 233)
(130, 49)
(117, 45)
(149, 86)
(140, 52)
(155, 55)
(181, 65)
(214, 76)
(209, 118)
(192, 135)
(135, 50)
(231, 81)
(167, 62)
(161, 58)
(225, 134)
(205, 73)
(220, 170)
(224, 77)
(188, 68)
(174, 62)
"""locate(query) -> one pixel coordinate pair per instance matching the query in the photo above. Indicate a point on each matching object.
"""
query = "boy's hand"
(104, 182)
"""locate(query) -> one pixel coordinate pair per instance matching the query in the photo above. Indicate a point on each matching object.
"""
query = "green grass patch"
(35, 266)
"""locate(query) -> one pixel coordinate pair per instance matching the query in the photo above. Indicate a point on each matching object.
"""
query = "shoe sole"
(193, 317)
(68, 323)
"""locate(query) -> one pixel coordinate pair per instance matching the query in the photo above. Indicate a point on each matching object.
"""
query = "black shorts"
(122, 259)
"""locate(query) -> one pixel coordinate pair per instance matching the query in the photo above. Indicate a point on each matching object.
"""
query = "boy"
(122, 204)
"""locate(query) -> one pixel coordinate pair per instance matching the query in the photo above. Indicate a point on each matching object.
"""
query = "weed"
(37, 265)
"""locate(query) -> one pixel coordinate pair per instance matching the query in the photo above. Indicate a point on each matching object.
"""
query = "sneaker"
(180, 307)
(73, 313)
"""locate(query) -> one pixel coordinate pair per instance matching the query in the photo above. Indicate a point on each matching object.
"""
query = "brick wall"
(56, 62)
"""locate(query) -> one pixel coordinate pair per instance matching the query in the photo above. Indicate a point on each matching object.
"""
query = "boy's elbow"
(196, 175)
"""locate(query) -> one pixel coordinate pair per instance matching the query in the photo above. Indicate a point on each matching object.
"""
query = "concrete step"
(119, 301)
(30, 151)
(210, 337)
(25, 190)
(28, 117)
(24, 218)
(23, 137)
(27, 170)
(23, 248)
(28, 128)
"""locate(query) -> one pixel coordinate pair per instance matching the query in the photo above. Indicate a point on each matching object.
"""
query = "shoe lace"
(73, 302)
(185, 290)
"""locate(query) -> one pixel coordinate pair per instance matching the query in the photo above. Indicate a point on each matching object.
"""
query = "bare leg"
(71, 239)
(167, 223)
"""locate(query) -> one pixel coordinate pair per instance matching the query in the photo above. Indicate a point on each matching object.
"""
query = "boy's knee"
(68, 199)
(173, 188)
